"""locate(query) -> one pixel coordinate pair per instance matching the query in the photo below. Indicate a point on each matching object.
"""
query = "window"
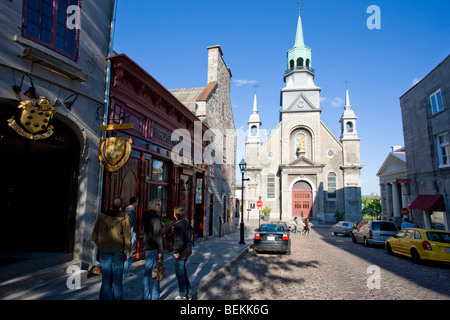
(254, 130)
(270, 186)
(443, 149)
(45, 22)
(436, 102)
(349, 127)
(300, 62)
(159, 171)
(332, 185)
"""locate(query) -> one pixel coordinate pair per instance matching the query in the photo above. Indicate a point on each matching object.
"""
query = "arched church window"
(301, 186)
(331, 183)
(291, 64)
(300, 62)
(254, 130)
(271, 186)
(308, 63)
(349, 127)
(300, 145)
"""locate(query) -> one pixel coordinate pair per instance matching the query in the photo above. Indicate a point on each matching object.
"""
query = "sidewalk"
(210, 259)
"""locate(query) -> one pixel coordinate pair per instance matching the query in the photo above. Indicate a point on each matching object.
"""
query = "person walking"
(295, 225)
(306, 227)
(153, 245)
(112, 235)
(182, 249)
(131, 212)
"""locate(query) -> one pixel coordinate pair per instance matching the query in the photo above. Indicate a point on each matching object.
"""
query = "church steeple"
(348, 120)
(254, 123)
(299, 57)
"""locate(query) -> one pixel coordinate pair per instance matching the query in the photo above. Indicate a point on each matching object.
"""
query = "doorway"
(301, 199)
(38, 188)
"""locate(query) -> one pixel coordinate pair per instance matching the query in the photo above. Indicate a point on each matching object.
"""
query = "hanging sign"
(114, 152)
(116, 126)
(34, 120)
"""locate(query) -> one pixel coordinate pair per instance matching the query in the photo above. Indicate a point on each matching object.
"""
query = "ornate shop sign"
(114, 152)
(34, 120)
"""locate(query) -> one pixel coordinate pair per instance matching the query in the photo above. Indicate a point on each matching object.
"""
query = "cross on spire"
(346, 84)
(256, 86)
(299, 8)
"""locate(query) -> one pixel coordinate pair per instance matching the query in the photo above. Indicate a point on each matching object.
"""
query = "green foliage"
(266, 211)
(371, 204)
(339, 216)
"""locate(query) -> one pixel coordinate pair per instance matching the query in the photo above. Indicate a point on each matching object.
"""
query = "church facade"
(302, 169)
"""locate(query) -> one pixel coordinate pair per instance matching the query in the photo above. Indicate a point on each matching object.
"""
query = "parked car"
(374, 232)
(272, 237)
(342, 227)
(421, 244)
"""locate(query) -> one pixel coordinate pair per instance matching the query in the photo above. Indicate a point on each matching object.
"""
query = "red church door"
(301, 199)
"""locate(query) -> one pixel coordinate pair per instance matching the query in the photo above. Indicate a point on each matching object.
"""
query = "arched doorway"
(301, 199)
(38, 187)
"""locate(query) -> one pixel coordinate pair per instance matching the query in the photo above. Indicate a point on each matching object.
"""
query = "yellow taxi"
(421, 244)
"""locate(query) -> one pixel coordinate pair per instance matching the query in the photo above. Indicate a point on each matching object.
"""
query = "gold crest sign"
(34, 119)
(114, 152)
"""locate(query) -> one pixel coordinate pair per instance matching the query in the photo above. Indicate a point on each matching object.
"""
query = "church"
(302, 169)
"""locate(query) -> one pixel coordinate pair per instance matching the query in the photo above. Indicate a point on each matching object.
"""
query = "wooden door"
(301, 200)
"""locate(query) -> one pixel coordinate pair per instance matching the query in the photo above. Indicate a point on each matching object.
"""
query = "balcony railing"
(299, 68)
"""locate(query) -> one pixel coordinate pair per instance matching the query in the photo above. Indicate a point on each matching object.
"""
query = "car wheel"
(415, 256)
(335, 233)
(389, 249)
(354, 238)
(366, 243)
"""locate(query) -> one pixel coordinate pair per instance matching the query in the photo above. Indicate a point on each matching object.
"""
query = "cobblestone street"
(324, 266)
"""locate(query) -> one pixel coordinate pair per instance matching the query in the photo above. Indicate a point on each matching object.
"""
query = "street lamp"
(242, 167)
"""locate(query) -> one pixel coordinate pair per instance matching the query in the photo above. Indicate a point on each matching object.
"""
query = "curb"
(210, 279)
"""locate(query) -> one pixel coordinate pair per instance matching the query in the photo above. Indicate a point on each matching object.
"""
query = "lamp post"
(242, 167)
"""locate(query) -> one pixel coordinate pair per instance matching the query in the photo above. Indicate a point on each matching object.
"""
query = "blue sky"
(168, 38)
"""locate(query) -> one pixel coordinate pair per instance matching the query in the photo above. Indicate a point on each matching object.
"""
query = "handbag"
(159, 271)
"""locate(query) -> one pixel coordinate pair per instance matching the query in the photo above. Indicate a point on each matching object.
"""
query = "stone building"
(426, 127)
(212, 105)
(49, 185)
(394, 188)
(302, 169)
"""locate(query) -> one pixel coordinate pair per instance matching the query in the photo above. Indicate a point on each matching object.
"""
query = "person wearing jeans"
(182, 249)
(112, 235)
(131, 212)
(153, 245)
(112, 270)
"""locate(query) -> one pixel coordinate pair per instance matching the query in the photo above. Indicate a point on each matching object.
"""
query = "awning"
(428, 202)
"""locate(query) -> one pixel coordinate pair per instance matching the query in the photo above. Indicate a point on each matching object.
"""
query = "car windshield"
(272, 228)
(439, 236)
(383, 226)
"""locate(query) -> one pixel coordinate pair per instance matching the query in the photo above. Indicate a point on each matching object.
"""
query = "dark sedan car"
(272, 237)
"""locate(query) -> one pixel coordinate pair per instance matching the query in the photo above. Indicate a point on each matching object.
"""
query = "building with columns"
(302, 169)
(394, 185)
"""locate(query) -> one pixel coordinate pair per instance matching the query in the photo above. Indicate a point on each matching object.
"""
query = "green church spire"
(299, 57)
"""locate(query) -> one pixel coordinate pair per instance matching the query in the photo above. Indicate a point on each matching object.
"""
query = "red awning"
(428, 202)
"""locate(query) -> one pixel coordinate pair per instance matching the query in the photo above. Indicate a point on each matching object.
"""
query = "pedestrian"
(407, 224)
(131, 212)
(295, 225)
(153, 245)
(112, 235)
(182, 249)
(306, 227)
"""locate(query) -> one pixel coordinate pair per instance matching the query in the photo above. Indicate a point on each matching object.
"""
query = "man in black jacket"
(153, 245)
(182, 249)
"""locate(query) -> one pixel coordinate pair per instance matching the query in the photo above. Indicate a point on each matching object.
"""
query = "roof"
(190, 96)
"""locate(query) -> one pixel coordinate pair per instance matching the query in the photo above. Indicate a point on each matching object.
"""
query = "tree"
(371, 203)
